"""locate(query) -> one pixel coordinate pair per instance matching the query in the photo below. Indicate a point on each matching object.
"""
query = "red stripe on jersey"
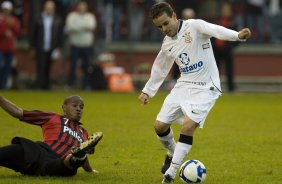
(65, 150)
(66, 142)
(56, 143)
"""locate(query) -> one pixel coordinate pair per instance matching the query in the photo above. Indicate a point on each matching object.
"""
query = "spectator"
(136, 19)
(112, 19)
(188, 13)
(80, 26)
(238, 11)
(65, 144)
(9, 30)
(152, 33)
(119, 6)
(180, 5)
(45, 35)
(223, 50)
(274, 14)
(254, 17)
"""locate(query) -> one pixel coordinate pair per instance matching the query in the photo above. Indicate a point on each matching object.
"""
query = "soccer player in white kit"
(187, 42)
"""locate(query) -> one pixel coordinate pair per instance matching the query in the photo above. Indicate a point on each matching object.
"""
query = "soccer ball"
(192, 171)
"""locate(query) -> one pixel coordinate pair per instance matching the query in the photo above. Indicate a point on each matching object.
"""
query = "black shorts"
(40, 160)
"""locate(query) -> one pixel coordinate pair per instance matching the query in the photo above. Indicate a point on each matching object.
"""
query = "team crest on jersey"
(187, 37)
(183, 61)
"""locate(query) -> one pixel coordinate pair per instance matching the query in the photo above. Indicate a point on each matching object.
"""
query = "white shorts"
(194, 103)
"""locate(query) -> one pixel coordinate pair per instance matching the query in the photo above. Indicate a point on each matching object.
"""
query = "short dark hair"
(73, 98)
(158, 9)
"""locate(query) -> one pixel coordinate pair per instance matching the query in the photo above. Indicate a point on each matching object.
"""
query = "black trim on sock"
(186, 139)
(164, 134)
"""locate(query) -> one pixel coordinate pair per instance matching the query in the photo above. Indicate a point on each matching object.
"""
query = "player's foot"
(87, 146)
(166, 163)
(167, 179)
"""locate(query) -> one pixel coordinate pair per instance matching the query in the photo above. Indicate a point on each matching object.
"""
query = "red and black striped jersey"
(60, 133)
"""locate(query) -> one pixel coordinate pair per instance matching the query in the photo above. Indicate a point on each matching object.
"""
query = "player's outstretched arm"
(11, 108)
(245, 33)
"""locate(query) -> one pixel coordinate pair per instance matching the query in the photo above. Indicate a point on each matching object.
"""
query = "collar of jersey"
(179, 28)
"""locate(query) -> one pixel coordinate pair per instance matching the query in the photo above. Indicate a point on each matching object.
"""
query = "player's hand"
(245, 33)
(95, 171)
(144, 98)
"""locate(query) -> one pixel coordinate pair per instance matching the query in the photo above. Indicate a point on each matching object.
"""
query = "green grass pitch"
(241, 142)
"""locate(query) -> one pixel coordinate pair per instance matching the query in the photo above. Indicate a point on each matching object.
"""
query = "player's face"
(167, 25)
(73, 110)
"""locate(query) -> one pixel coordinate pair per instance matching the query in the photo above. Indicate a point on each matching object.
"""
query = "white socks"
(169, 142)
(178, 151)
(181, 150)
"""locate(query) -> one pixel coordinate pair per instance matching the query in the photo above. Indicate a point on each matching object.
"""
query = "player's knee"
(161, 128)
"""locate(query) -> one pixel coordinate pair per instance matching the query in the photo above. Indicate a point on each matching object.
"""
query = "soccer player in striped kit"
(187, 43)
(65, 143)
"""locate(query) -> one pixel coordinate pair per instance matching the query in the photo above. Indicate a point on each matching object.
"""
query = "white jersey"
(191, 50)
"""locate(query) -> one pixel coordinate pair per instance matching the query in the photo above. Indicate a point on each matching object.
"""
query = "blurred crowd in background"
(119, 19)
(101, 22)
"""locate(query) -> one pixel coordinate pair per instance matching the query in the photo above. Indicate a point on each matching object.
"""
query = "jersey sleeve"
(159, 71)
(36, 117)
(217, 31)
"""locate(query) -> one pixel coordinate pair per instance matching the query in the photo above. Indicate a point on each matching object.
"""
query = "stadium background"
(241, 141)
(257, 65)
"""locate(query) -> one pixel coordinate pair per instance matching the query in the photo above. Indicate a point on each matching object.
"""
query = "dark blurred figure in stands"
(274, 14)
(187, 13)
(223, 51)
(9, 30)
(80, 27)
(154, 35)
(255, 19)
(180, 5)
(238, 11)
(45, 35)
(136, 26)
(111, 17)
